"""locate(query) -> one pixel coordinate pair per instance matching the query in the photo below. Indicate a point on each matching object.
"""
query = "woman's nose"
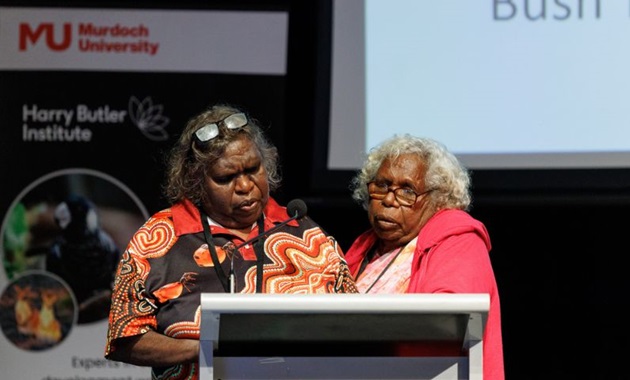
(244, 183)
(390, 199)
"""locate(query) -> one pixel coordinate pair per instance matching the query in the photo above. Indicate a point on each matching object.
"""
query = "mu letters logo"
(29, 36)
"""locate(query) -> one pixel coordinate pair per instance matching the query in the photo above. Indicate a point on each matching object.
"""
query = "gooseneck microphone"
(296, 209)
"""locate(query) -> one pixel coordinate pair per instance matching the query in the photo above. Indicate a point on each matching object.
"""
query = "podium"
(342, 336)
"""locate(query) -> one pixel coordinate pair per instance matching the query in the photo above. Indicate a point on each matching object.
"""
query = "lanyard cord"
(258, 249)
(260, 255)
(213, 251)
(385, 269)
(366, 260)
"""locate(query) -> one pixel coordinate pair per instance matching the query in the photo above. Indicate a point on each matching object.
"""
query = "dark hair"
(189, 159)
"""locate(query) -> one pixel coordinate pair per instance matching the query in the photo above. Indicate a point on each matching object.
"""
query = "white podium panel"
(342, 336)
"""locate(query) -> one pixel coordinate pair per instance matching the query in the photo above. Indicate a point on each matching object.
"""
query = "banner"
(90, 102)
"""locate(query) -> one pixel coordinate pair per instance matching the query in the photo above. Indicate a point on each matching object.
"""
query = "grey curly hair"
(189, 160)
(445, 174)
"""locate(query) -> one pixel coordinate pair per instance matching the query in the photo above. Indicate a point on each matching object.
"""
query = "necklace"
(389, 264)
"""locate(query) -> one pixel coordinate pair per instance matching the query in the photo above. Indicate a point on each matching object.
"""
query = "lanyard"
(366, 260)
(385, 269)
(258, 249)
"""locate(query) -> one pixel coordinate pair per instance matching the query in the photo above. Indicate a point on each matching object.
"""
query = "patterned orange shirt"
(167, 265)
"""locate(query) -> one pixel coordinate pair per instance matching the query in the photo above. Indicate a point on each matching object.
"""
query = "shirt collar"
(186, 217)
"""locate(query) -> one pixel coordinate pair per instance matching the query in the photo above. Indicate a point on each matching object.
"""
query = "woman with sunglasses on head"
(422, 240)
(223, 233)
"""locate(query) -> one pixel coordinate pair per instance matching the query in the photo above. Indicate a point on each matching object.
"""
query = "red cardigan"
(452, 256)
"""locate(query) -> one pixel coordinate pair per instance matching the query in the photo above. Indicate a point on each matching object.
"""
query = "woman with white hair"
(422, 239)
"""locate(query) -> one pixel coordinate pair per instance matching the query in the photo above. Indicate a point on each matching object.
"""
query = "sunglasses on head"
(210, 131)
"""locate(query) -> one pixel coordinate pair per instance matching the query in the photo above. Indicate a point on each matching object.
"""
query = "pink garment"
(451, 256)
(388, 273)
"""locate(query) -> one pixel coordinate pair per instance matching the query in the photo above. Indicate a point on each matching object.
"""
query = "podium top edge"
(345, 303)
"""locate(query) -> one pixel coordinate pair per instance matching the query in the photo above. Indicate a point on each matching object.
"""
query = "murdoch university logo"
(29, 35)
(115, 39)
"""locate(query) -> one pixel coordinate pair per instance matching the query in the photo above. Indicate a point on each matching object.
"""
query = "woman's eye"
(408, 191)
(223, 180)
(381, 185)
(252, 170)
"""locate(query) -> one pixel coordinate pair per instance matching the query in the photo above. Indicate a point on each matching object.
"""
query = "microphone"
(296, 209)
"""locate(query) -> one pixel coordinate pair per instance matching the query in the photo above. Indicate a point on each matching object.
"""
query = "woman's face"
(237, 186)
(394, 223)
